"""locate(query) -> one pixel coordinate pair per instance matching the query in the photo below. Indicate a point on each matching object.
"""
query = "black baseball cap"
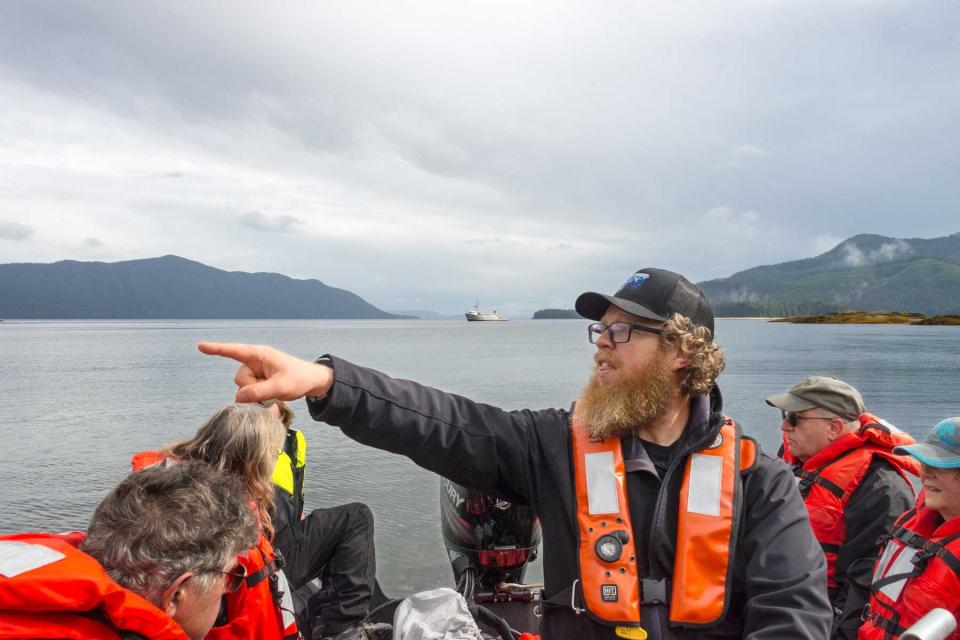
(654, 294)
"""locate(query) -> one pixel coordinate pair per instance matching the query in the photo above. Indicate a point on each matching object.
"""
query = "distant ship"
(475, 315)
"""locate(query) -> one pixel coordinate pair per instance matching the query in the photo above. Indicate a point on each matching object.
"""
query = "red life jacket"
(262, 608)
(829, 478)
(59, 591)
(612, 589)
(919, 570)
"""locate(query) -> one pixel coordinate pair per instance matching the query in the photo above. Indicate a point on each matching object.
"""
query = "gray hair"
(168, 520)
(849, 426)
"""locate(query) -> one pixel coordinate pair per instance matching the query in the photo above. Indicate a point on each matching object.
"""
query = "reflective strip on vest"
(706, 476)
(601, 483)
(286, 604)
(20, 557)
(895, 560)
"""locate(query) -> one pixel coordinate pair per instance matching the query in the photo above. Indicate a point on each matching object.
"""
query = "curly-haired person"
(656, 511)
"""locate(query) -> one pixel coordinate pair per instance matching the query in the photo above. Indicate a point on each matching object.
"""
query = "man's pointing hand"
(269, 374)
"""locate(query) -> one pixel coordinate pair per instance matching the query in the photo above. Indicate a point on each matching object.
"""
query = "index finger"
(239, 352)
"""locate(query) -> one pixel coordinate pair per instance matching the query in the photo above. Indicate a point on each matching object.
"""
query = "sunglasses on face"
(234, 578)
(619, 331)
(792, 419)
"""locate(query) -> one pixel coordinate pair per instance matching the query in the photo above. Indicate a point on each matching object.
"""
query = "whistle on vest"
(631, 633)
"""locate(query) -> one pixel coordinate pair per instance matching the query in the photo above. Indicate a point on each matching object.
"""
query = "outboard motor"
(489, 540)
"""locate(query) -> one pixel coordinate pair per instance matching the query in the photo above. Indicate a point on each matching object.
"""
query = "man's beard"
(623, 406)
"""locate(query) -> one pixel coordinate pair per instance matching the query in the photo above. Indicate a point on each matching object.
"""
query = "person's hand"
(269, 374)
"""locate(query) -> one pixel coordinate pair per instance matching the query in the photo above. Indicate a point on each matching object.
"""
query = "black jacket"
(779, 589)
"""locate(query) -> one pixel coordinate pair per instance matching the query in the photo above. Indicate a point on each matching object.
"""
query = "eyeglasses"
(234, 578)
(792, 419)
(619, 331)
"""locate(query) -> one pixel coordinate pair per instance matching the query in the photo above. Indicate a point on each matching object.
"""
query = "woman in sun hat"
(920, 567)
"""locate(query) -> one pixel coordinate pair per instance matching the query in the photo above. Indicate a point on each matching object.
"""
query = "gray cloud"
(92, 242)
(15, 231)
(273, 223)
(611, 135)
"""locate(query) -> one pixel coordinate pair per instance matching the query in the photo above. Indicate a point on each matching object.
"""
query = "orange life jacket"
(828, 479)
(918, 571)
(262, 608)
(51, 589)
(612, 588)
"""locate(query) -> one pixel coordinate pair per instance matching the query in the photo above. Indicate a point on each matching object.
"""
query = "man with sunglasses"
(659, 519)
(154, 563)
(852, 483)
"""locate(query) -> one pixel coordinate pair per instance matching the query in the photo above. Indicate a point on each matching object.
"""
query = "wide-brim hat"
(653, 294)
(941, 447)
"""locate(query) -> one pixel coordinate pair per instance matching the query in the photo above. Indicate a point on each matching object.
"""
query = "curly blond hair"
(694, 342)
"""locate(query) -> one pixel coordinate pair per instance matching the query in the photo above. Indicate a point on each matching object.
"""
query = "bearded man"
(659, 519)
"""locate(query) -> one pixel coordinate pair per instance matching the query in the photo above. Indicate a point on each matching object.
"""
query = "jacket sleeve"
(881, 498)
(473, 444)
(784, 569)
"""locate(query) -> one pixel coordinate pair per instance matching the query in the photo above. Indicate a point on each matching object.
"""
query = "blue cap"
(941, 447)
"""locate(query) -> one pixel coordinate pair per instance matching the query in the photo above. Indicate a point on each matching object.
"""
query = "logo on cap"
(947, 433)
(636, 280)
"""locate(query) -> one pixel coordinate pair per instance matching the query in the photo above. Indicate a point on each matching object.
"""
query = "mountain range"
(168, 287)
(864, 272)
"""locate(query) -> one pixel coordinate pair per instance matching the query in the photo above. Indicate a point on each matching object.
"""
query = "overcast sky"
(430, 154)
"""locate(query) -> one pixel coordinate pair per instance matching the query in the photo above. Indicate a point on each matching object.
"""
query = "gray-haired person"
(160, 551)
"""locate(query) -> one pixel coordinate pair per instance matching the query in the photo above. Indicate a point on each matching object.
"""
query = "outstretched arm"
(266, 373)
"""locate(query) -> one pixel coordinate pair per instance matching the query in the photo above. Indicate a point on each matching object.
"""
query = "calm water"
(81, 397)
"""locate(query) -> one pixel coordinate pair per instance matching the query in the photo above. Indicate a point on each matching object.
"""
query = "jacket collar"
(703, 424)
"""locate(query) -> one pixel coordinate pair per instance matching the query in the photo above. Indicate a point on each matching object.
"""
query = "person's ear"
(680, 361)
(174, 595)
(836, 428)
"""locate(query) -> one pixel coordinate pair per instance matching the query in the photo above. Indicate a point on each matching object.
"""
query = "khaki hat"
(822, 392)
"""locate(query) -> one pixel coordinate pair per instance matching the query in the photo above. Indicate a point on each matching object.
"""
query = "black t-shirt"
(660, 455)
(647, 465)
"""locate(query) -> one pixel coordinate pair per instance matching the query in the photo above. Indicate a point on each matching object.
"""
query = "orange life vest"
(918, 571)
(51, 589)
(828, 479)
(262, 608)
(611, 585)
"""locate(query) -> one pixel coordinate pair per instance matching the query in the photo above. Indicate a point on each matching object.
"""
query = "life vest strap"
(890, 626)
(267, 570)
(652, 591)
(928, 548)
(810, 478)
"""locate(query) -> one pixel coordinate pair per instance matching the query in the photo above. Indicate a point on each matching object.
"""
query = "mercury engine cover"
(494, 536)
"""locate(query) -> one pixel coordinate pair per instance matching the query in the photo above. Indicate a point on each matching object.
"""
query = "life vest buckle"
(653, 591)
